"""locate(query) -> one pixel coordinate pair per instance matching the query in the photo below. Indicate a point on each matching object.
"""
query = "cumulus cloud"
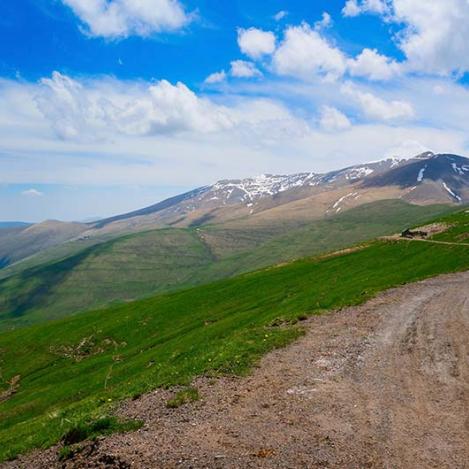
(355, 7)
(255, 42)
(122, 18)
(243, 69)
(80, 111)
(324, 23)
(99, 111)
(371, 64)
(32, 193)
(377, 108)
(216, 77)
(238, 69)
(435, 35)
(351, 8)
(306, 54)
(331, 119)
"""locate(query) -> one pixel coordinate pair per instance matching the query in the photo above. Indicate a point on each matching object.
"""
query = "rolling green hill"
(69, 373)
(139, 265)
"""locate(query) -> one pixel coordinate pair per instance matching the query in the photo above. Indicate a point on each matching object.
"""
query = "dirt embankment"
(383, 385)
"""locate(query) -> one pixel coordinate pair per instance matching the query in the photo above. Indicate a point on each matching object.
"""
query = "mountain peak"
(425, 155)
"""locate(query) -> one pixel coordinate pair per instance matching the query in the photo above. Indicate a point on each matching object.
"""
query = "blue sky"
(54, 41)
(109, 105)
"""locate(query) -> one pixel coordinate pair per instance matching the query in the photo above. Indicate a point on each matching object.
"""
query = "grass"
(458, 231)
(91, 430)
(102, 426)
(76, 369)
(182, 397)
(140, 265)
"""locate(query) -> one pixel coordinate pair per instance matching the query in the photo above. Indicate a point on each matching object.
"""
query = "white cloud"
(324, 23)
(305, 53)
(92, 110)
(355, 8)
(435, 35)
(331, 119)
(372, 65)
(243, 69)
(351, 8)
(122, 18)
(95, 112)
(377, 108)
(32, 193)
(255, 42)
(280, 15)
(216, 77)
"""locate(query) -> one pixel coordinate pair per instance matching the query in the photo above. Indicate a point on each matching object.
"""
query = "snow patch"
(453, 194)
(336, 205)
(421, 173)
(457, 169)
(252, 189)
(359, 173)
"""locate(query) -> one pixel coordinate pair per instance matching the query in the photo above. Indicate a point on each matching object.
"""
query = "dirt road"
(383, 385)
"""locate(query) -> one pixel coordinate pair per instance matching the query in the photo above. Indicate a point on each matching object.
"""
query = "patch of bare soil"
(435, 228)
(383, 385)
(14, 385)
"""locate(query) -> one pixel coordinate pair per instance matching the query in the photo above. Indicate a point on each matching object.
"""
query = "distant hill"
(13, 224)
(20, 242)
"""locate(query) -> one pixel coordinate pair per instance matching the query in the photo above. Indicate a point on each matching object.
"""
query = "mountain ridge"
(248, 196)
(425, 179)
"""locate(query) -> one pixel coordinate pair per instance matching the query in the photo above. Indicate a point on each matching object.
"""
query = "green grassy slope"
(122, 269)
(353, 226)
(60, 374)
(458, 228)
(52, 254)
(139, 265)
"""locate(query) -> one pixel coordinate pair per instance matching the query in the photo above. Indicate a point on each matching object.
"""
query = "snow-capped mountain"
(434, 176)
(425, 178)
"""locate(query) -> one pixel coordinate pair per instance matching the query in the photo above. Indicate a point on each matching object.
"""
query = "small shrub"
(66, 453)
(103, 426)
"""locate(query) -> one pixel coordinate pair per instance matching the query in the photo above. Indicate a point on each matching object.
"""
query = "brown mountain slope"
(424, 179)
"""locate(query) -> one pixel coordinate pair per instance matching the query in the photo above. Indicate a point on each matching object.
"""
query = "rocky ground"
(382, 385)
